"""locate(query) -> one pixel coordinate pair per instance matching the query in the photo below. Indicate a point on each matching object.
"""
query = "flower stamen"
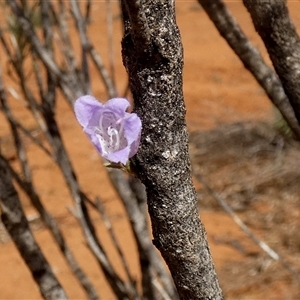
(114, 132)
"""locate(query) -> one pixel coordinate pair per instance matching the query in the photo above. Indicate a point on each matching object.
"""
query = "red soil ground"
(218, 90)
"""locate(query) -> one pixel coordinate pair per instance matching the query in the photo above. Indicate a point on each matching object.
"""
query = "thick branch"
(163, 164)
(251, 58)
(272, 21)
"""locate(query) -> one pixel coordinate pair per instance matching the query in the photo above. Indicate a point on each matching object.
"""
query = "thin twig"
(97, 60)
(67, 81)
(87, 12)
(274, 255)
(161, 291)
(63, 37)
(100, 208)
(85, 44)
(109, 22)
(17, 140)
(16, 224)
(52, 225)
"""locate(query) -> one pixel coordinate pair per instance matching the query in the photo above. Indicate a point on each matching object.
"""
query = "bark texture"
(251, 58)
(152, 54)
(272, 21)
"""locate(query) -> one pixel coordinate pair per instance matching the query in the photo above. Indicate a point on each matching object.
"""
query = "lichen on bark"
(153, 57)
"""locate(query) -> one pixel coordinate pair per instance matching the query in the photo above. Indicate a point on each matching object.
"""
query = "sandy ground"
(218, 91)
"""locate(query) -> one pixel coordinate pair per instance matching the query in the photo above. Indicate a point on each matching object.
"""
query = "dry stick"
(97, 60)
(138, 221)
(87, 12)
(17, 64)
(17, 140)
(100, 208)
(69, 82)
(244, 227)
(56, 233)
(17, 226)
(251, 58)
(64, 43)
(272, 21)
(85, 45)
(63, 38)
(162, 292)
(109, 22)
(34, 109)
(29, 31)
(29, 134)
(139, 191)
(88, 47)
(155, 262)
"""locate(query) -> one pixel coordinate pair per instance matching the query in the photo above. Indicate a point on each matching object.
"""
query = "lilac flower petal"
(114, 132)
(134, 147)
(119, 156)
(132, 127)
(118, 105)
(85, 108)
(94, 139)
(132, 130)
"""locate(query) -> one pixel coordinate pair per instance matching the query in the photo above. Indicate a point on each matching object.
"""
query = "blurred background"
(239, 147)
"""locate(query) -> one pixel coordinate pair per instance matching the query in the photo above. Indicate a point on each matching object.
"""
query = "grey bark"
(251, 58)
(16, 224)
(152, 55)
(272, 21)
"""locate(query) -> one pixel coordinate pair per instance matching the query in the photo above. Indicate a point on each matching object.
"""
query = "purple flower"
(114, 132)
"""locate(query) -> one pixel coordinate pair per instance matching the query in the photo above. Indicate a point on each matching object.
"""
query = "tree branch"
(272, 21)
(17, 226)
(251, 58)
(163, 164)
